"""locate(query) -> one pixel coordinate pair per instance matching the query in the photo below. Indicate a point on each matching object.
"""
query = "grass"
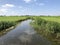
(52, 18)
(12, 18)
(49, 27)
(8, 21)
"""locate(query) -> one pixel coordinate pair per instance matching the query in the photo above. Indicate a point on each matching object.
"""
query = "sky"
(30, 7)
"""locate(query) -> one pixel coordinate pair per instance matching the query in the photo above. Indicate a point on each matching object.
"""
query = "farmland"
(49, 27)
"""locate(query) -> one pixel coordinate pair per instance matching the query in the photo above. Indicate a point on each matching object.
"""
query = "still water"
(23, 34)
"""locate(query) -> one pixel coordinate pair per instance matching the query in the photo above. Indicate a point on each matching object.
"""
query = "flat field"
(12, 18)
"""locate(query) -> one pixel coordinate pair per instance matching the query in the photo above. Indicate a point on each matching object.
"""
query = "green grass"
(52, 18)
(49, 27)
(12, 18)
(8, 21)
(5, 24)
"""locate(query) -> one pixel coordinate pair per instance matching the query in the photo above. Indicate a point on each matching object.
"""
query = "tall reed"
(46, 27)
(6, 24)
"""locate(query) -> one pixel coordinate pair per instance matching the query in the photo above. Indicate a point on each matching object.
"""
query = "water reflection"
(23, 34)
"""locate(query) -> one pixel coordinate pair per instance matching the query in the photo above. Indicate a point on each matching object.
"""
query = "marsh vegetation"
(46, 26)
(49, 27)
(8, 21)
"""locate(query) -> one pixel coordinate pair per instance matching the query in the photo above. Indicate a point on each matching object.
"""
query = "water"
(23, 34)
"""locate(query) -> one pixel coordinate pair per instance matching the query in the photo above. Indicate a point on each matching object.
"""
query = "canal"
(23, 34)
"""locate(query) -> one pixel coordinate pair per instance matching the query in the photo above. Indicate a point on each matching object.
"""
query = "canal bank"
(23, 34)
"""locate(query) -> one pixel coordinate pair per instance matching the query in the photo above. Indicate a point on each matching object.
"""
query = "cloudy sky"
(29, 7)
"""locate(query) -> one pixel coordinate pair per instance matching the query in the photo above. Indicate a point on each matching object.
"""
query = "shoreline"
(11, 28)
(6, 30)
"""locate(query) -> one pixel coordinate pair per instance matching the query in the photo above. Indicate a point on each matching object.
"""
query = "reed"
(9, 21)
(49, 29)
(6, 24)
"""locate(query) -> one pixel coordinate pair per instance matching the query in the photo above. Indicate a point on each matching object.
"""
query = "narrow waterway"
(23, 34)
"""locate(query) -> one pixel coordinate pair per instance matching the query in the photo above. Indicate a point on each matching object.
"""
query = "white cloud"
(8, 5)
(3, 11)
(27, 1)
(5, 8)
(20, 7)
(41, 4)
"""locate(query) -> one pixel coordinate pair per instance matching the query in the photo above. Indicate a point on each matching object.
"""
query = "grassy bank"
(48, 27)
(8, 21)
(5, 24)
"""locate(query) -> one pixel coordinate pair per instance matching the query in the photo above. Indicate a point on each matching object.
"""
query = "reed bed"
(6, 24)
